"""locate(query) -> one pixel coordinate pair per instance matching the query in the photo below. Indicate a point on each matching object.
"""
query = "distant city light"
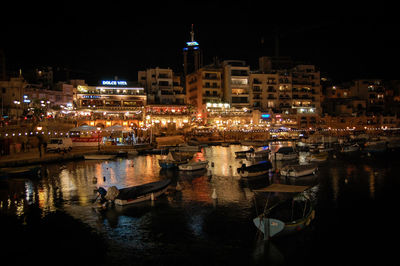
(192, 43)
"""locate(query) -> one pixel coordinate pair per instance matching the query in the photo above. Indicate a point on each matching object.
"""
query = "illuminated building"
(167, 116)
(162, 86)
(204, 86)
(111, 97)
(11, 97)
(306, 89)
(236, 83)
(372, 91)
(192, 59)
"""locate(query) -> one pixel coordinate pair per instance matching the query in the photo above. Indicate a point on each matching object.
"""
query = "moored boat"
(284, 154)
(170, 162)
(254, 170)
(26, 171)
(318, 157)
(192, 166)
(242, 154)
(286, 217)
(350, 148)
(375, 146)
(135, 194)
(262, 154)
(299, 170)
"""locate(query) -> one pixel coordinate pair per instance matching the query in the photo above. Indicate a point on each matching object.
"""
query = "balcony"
(211, 77)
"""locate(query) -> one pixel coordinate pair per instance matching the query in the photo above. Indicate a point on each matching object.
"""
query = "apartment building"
(204, 86)
(372, 91)
(161, 86)
(11, 97)
(306, 89)
(236, 86)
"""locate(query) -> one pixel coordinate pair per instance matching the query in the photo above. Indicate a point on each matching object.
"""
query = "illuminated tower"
(191, 55)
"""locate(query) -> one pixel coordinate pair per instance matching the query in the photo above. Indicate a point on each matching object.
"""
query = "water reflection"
(189, 215)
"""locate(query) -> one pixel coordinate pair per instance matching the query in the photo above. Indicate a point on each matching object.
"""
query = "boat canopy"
(283, 188)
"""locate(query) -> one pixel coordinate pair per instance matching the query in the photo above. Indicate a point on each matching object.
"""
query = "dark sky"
(344, 47)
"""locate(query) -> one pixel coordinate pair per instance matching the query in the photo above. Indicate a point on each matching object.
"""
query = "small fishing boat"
(192, 166)
(284, 154)
(262, 154)
(26, 171)
(254, 170)
(134, 194)
(299, 170)
(182, 155)
(99, 156)
(242, 154)
(375, 146)
(350, 148)
(169, 162)
(318, 157)
(288, 217)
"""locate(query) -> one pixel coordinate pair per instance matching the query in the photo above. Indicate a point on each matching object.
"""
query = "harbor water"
(52, 220)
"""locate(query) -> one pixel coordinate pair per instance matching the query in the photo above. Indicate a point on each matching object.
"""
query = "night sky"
(344, 46)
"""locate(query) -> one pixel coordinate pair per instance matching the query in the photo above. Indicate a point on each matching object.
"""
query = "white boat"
(99, 156)
(191, 166)
(255, 170)
(299, 170)
(284, 154)
(263, 154)
(350, 148)
(318, 157)
(135, 194)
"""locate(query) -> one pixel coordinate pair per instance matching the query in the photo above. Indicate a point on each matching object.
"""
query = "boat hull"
(247, 174)
(283, 157)
(18, 172)
(123, 202)
(277, 228)
(194, 166)
(167, 164)
(254, 170)
(155, 190)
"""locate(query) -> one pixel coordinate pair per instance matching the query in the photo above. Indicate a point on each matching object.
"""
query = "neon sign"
(114, 82)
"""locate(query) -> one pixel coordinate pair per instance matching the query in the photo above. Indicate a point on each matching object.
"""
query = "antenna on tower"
(192, 34)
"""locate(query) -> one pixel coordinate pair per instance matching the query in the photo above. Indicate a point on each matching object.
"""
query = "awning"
(283, 188)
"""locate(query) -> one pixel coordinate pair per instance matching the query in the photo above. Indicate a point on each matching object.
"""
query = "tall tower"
(191, 55)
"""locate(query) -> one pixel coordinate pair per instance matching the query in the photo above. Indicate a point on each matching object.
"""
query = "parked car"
(59, 144)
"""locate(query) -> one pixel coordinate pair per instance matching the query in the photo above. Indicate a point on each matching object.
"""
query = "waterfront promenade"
(33, 156)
